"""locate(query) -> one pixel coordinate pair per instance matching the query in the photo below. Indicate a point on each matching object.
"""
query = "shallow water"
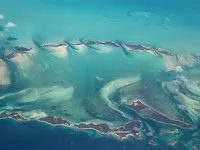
(94, 83)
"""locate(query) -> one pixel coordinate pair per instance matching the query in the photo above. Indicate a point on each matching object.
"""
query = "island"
(13, 115)
(148, 112)
(22, 49)
(128, 47)
(131, 128)
(54, 120)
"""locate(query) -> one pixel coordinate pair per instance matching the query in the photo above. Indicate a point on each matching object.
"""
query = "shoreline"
(128, 47)
(138, 105)
(121, 135)
(130, 129)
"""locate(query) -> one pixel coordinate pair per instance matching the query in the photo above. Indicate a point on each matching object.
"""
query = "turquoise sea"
(164, 24)
(93, 85)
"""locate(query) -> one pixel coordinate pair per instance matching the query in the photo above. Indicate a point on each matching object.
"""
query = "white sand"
(151, 52)
(193, 87)
(192, 106)
(60, 51)
(111, 87)
(22, 60)
(54, 94)
(128, 48)
(35, 114)
(4, 74)
(185, 61)
(81, 48)
(171, 63)
(105, 49)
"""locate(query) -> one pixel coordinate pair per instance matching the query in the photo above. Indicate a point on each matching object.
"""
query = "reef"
(10, 38)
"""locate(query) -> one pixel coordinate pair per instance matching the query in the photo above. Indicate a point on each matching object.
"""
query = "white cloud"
(140, 13)
(10, 24)
(167, 19)
(1, 16)
(179, 69)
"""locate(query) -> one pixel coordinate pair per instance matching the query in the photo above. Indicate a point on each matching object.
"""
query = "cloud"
(167, 19)
(10, 24)
(179, 69)
(1, 16)
(140, 14)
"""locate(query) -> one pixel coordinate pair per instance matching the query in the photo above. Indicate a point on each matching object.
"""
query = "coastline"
(127, 47)
(82, 127)
(138, 105)
(130, 129)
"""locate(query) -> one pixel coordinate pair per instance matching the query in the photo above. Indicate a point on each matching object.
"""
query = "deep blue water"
(35, 135)
(38, 136)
